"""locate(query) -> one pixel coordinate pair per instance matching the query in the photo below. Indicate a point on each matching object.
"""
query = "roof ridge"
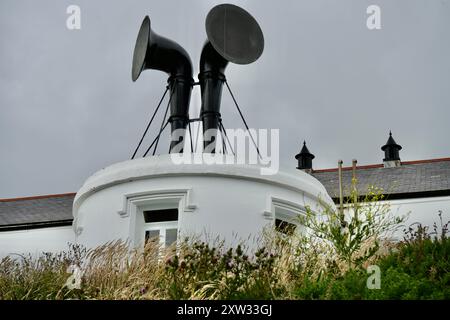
(58, 195)
(380, 165)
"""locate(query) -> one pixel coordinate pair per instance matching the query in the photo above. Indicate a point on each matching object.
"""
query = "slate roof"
(412, 179)
(33, 212)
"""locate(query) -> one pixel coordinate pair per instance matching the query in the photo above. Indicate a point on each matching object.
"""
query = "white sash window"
(161, 226)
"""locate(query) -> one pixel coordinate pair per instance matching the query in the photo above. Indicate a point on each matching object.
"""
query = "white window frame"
(286, 211)
(135, 204)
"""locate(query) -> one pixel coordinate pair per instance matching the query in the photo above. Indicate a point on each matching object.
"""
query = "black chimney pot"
(304, 158)
(391, 149)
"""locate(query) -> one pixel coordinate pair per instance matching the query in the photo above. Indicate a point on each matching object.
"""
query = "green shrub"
(420, 267)
(417, 268)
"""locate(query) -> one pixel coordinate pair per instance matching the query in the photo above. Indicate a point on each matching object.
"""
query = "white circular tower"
(154, 196)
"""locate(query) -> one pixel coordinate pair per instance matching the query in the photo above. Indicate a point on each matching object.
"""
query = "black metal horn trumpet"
(233, 36)
(153, 51)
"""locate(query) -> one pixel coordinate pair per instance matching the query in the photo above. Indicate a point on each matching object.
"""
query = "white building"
(419, 189)
(146, 197)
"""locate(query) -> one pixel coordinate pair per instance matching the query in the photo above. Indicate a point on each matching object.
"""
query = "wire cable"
(226, 136)
(157, 138)
(164, 119)
(243, 119)
(150, 122)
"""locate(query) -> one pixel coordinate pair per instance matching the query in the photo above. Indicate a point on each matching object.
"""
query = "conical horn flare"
(153, 51)
(233, 36)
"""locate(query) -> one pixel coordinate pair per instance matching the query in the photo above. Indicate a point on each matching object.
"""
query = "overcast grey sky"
(68, 106)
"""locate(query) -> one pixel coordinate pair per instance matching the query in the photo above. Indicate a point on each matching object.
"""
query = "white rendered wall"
(36, 241)
(421, 210)
(232, 202)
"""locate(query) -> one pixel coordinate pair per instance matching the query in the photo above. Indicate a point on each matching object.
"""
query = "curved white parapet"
(225, 200)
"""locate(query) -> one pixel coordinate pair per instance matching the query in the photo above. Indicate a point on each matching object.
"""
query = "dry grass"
(189, 271)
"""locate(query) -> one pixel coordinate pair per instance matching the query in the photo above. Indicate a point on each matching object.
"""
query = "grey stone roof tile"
(42, 209)
(414, 176)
